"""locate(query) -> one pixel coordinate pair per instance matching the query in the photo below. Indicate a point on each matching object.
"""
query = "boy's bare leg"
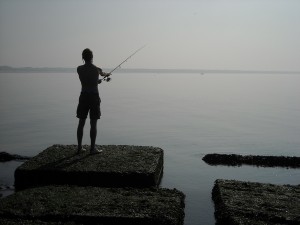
(80, 134)
(93, 134)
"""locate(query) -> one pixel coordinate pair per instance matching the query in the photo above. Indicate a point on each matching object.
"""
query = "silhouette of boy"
(89, 100)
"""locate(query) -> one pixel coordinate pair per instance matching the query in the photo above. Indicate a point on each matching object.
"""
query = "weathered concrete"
(246, 203)
(265, 161)
(94, 205)
(4, 157)
(116, 166)
(4, 221)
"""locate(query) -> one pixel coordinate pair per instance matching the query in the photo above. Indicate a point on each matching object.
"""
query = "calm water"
(187, 115)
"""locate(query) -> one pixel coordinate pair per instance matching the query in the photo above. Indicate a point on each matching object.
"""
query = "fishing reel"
(107, 79)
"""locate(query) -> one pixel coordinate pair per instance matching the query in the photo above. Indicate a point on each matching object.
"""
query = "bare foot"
(80, 150)
(95, 151)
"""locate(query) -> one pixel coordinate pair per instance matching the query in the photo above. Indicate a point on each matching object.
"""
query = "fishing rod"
(107, 78)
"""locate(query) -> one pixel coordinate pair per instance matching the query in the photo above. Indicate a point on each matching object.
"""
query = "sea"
(188, 115)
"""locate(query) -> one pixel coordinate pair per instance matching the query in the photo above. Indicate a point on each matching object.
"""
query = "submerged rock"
(265, 161)
(247, 203)
(4, 157)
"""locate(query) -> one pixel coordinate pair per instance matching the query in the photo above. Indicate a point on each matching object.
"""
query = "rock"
(265, 161)
(94, 205)
(4, 157)
(115, 166)
(247, 203)
(6, 187)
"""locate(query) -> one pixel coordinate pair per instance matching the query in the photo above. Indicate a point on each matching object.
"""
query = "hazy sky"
(199, 34)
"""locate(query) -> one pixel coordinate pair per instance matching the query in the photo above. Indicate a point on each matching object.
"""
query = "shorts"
(89, 102)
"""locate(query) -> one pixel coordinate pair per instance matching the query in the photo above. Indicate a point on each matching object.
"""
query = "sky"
(189, 34)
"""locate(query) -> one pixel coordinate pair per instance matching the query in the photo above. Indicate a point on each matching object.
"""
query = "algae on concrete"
(248, 203)
(116, 165)
(94, 205)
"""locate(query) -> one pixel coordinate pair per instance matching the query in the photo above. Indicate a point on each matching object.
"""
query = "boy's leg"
(80, 133)
(95, 114)
(93, 134)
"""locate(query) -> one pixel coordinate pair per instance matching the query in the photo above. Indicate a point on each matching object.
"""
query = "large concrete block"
(55, 205)
(247, 203)
(115, 166)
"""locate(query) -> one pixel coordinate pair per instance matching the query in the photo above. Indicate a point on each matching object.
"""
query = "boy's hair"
(87, 55)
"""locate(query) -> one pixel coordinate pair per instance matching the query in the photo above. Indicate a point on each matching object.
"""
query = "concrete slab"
(255, 160)
(94, 205)
(247, 203)
(115, 166)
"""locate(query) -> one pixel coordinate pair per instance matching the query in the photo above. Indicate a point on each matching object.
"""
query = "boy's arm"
(103, 74)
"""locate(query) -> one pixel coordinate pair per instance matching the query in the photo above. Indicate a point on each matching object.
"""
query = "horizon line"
(145, 70)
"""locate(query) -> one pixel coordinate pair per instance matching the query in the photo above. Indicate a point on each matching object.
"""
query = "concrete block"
(248, 203)
(93, 205)
(115, 166)
(255, 160)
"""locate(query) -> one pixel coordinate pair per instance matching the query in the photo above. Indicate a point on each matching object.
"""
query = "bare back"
(89, 76)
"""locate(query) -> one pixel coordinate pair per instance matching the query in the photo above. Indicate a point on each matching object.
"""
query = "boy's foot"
(95, 151)
(81, 150)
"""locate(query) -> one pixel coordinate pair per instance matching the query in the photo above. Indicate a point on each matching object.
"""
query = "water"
(187, 115)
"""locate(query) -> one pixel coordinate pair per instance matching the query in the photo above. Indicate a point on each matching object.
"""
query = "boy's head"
(87, 55)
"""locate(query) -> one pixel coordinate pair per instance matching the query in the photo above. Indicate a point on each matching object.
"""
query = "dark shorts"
(89, 102)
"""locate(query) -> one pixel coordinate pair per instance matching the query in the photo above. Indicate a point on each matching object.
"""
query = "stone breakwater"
(255, 160)
(117, 186)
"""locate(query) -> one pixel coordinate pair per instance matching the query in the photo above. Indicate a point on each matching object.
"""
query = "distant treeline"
(8, 69)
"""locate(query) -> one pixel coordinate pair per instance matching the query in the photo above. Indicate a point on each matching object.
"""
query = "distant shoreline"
(8, 69)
